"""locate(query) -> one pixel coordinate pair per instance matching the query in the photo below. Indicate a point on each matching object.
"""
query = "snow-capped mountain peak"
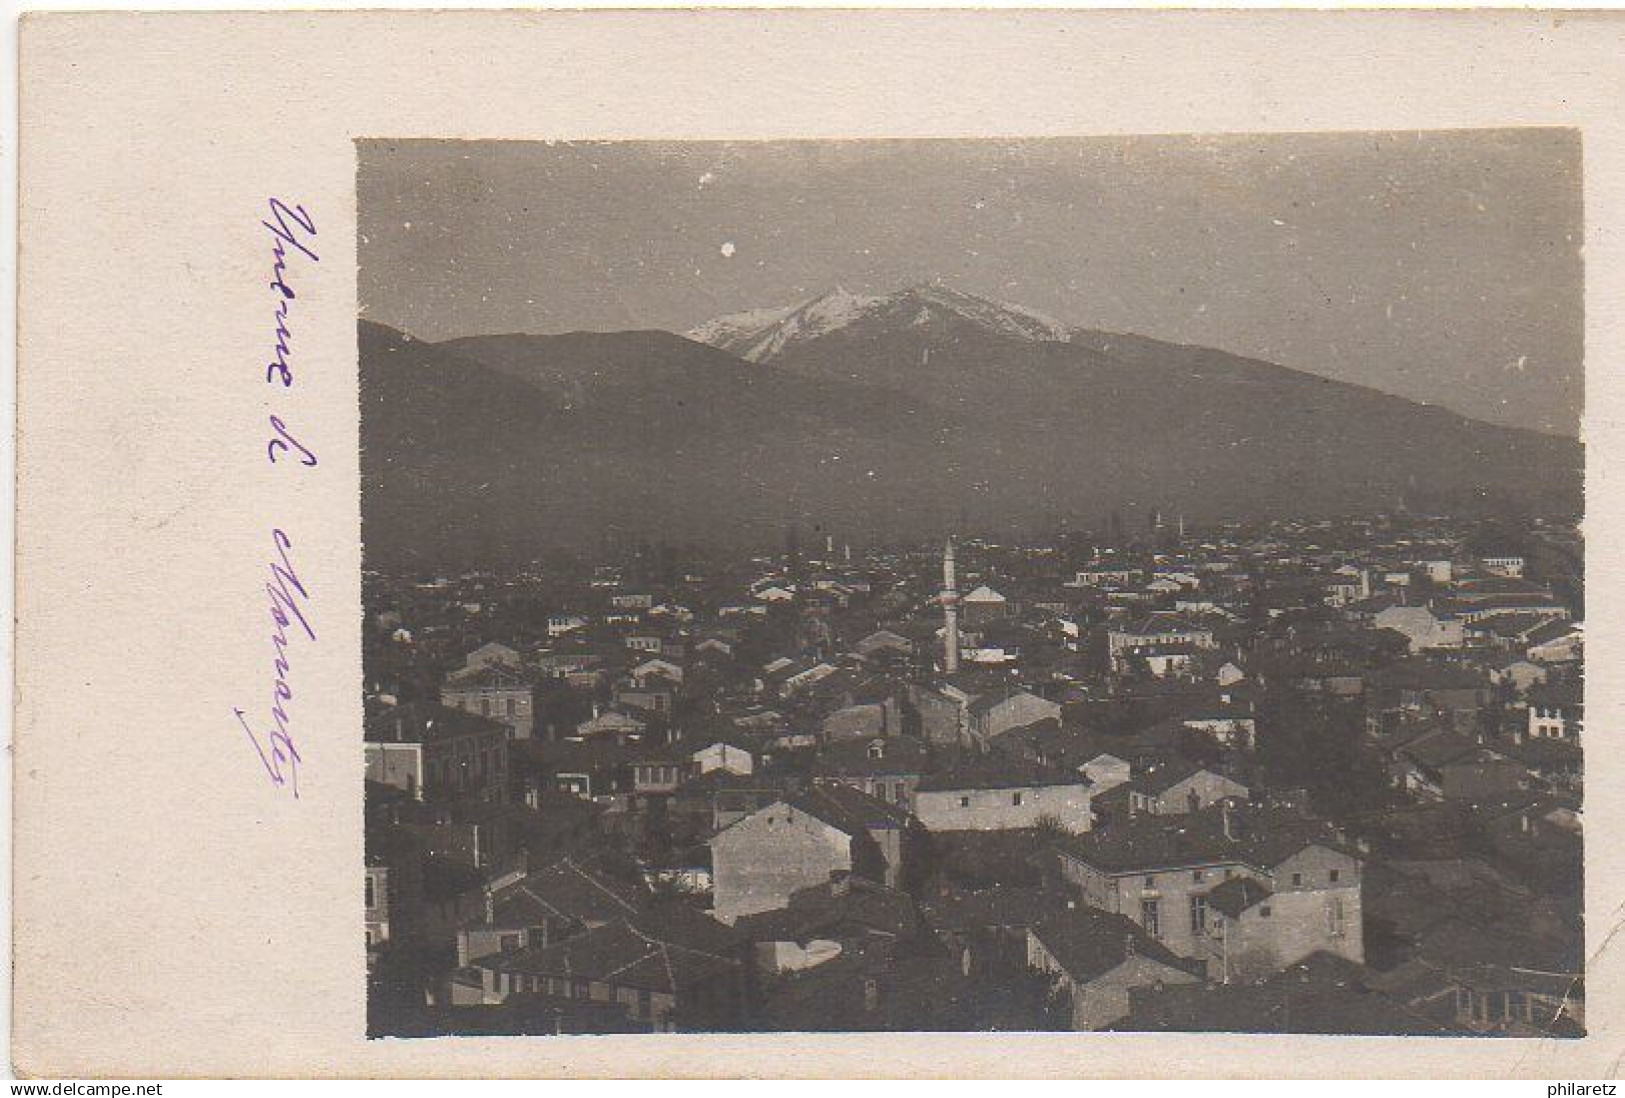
(761, 335)
(1017, 321)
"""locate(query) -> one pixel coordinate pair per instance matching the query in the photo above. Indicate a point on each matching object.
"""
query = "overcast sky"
(1444, 267)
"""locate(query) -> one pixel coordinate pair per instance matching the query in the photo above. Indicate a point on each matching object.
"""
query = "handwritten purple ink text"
(292, 232)
(288, 602)
(291, 228)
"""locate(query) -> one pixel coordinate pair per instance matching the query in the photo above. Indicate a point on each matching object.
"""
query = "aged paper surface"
(179, 914)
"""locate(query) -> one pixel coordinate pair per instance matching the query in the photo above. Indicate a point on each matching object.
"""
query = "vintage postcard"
(662, 544)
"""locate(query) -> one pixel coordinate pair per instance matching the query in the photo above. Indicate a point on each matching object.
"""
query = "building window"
(1297, 880)
(1264, 912)
(1335, 874)
(510, 942)
(1150, 881)
(1198, 875)
(1150, 918)
(1198, 914)
(485, 707)
(1015, 798)
(964, 802)
(371, 898)
(510, 707)
(1335, 918)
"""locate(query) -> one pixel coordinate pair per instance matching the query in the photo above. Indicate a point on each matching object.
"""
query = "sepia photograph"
(1126, 583)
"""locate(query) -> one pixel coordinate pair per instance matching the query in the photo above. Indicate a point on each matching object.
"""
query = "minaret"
(950, 611)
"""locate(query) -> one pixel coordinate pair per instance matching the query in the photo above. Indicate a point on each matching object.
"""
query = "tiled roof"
(490, 676)
(826, 909)
(1236, 895)
(856, 758)
(1424, 674)
(1321, 994)
(565, 891)
(842, 807)
(987, 702)
(1088, 943)
(420, 722)
(887, 985)
(1162, 622)
(1262, 838)
(1011, 907)
(998, 772)
(1159, 779)
(616, 953)
(1568, 695)
(1512, 625)
(1552, 630)
(1445, 749)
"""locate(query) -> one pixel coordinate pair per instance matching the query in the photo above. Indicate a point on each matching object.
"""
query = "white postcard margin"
(177, 914)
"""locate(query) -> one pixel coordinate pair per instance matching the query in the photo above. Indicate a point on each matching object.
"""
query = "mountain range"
(880, 417)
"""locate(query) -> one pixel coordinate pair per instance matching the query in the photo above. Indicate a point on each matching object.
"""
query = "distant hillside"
(882, 417)
(492, 447)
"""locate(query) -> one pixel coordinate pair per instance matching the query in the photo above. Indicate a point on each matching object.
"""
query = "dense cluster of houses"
(1169, 785)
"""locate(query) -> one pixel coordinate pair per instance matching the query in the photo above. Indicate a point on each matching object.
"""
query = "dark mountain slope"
(645, 432)
(903, 419)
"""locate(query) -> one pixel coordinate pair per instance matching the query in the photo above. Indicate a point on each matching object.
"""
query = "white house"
(492, 653)
(560, 624)
(722, 755)
(763, 858)
(650, 668)
(1105, 771)
(1002, 796)
(1509, 564)
(1422, 627)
